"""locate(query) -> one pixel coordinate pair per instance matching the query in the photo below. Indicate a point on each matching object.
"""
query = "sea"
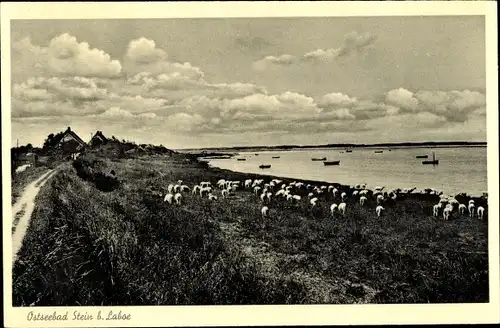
(459, 170)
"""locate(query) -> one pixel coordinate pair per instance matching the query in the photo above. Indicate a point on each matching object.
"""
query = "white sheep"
(248, 183)
(379, 210)
(204, 190)
(196, 189)
(269, 196)
(342, 208)
(435, 209)
(471, 201)
(184, 188)
(471, 210)
(224, 193)
(355, 193)
(263, 197)
(170, 187)
(289, 197)
(264, 211)
(343, 196)
(297, 197)
(480, 212)
(168, 198)
(310, 195)
(333, 207)
(380, 199)
(212, 196)
(362, 200)
(446, 213)
(313, 201)
(177, 188)
(461, 209)
(177, 198)
(256, 190)
(330, 188)
(280, 192)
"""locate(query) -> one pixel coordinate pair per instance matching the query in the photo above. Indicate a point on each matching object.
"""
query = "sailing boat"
(433, 162)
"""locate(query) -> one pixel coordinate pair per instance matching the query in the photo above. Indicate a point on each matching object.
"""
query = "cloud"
(65, 56)
(455, 106)
(354, 43)
(282, 60)
(144, 51)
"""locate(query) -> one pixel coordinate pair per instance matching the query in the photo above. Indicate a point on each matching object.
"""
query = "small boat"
(318, 159)
(378, 151)
(328, 163)
(264, 166)
(256, 154)
(241, 159)
(433, 162)
(348, 151)
(422, 156)
(276, 157)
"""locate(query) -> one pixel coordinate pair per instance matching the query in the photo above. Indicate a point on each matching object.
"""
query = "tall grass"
(125, 246)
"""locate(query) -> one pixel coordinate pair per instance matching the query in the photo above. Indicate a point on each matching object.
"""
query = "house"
(70, 142)
(98, 139)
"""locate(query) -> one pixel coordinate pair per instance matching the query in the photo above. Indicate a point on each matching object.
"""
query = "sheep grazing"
(380, 199)
(224, 193)
(178, 198)
(168, 198)
(264, 211)
(335, 192)
(362, 200)
(212, 196)
(310, 195)
(256, 190)
(379, 210)
(177, 188)
(204, 190)
(471, 210)
(269, 196)
(343, 196)
(333, 207)
(471, 201)
(196, 189)
(170, 188)
(280, 192)
(480, 212)
(263, 197)
(313, 201)
(355, 193)
(342, 208)
(289, 197)
(446, 213)
(248, 183)
(330, 188)
(435, 209)
(184, 188)
(296, 197)
(461, 209)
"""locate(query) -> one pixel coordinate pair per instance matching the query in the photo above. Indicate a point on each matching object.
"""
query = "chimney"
(69, 129)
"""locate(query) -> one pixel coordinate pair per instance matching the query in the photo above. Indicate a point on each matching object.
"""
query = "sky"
(189, 83)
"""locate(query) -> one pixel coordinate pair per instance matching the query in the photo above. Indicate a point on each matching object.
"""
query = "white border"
(263, 315)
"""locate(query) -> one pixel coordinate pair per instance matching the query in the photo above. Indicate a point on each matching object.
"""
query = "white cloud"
(144, 51)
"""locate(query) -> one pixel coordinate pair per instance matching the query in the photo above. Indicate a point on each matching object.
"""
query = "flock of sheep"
(294, 192)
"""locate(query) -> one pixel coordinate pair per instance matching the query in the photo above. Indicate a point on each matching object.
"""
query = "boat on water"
(318, 159)
(276, 157)
(264, 166)
(256, 154)
(328, 163)
(422, 156)
(378, 151)
(433, 162)
(348, 151)
(241, 159)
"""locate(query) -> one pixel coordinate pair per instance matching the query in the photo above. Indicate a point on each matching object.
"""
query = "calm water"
(459, 169)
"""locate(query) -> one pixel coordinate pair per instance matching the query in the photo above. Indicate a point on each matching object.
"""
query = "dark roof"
(74, 135)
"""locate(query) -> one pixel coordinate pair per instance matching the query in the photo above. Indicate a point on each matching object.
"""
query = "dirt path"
(22, 210)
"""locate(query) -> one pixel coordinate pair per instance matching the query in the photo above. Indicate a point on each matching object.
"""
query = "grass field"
(125, 246)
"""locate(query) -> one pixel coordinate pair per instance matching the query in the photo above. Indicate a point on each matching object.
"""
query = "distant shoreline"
(403, 145)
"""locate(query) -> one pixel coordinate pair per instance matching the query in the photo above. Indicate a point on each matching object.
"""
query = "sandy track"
(26, 204)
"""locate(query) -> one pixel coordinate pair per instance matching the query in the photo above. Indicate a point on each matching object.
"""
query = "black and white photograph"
(334, 159)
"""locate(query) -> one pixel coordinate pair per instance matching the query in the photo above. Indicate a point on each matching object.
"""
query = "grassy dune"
(125, 246)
